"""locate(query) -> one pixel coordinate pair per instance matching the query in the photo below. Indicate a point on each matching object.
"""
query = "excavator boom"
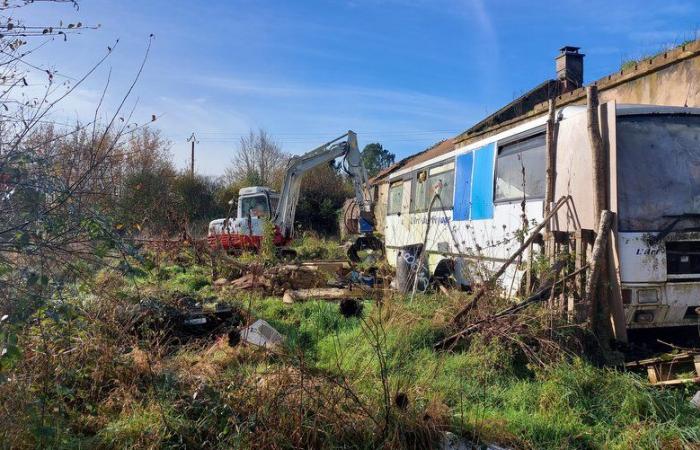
(345, 146)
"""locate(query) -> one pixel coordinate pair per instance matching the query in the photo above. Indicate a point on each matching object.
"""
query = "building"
(670, 78)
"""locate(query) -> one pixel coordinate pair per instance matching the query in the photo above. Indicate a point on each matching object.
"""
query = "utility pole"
(193, 140)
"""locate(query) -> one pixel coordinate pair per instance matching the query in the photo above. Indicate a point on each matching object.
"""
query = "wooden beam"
(598, 256)
(550, 160)
(332, 294)
(597, 152)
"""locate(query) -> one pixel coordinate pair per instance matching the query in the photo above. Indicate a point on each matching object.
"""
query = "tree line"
(143, 193)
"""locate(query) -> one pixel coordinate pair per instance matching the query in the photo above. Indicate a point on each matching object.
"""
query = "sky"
(405, 73)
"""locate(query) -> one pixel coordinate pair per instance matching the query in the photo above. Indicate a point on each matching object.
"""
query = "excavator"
(258, 204)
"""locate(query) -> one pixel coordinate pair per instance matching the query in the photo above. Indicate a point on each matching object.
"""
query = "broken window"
(420, 193)
(441, 182)
(395, 196)
(520, 170)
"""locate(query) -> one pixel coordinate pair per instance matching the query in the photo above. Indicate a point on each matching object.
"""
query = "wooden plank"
(664, 359)
(652, 374)
(598, 262)
(550, 174)
(333, 294)
(677, 381)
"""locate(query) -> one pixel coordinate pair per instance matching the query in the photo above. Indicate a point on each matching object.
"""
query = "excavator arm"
(346, 146)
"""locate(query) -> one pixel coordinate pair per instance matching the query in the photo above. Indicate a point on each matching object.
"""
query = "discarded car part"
(366, 249)
(695, 401)
(261, 334)
(287, 254)
(367, 278)
(451, 273)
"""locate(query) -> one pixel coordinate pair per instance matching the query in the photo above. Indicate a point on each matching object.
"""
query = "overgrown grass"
(86, 380)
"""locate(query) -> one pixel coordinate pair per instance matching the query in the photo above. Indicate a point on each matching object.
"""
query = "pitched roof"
(437, 149)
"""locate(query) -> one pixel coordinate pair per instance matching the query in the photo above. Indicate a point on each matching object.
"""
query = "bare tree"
(259, 160)
(54, 180)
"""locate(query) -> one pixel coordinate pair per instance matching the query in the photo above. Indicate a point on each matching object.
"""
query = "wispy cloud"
(338, 97)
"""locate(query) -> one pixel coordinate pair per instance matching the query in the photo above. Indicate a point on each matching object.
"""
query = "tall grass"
(86, 380)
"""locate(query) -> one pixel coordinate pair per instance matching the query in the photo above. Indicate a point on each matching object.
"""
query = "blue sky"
(405, 73)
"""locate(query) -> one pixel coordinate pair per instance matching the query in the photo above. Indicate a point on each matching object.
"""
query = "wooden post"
(550, 161)
(600, 193)
(599, 305)
(193, 140)
(576, 313)
(598, 257)
(617, 311)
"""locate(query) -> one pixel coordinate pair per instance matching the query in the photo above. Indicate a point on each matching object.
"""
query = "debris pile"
(185, 318)
(277, 279)
(327, 280)
(261, 334)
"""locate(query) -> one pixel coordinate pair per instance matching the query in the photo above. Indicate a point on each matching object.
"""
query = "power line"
(226, 134)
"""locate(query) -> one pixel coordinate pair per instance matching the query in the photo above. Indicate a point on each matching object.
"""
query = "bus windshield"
(658, 170)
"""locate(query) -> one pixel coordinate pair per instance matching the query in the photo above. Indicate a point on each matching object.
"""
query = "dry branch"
(489, 284)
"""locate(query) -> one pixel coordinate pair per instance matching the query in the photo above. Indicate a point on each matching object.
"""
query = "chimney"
(570, 68)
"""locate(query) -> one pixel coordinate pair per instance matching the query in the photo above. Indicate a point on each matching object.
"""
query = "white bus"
(491, 187)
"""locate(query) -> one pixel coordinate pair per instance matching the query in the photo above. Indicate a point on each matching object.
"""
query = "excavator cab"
(257, 202)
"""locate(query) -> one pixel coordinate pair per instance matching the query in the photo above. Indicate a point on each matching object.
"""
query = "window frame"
(266, 195)
(534, 132)
(396, 183)
(414, 184)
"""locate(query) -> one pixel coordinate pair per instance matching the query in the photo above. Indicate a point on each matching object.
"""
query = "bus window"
(395, 196)
(441, 182)
(420, 192)
(658, 170)
(520, 170)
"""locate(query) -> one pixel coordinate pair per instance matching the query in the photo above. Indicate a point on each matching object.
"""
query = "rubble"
(261, 334)
(695, 401)
(277, 279)
(185, 318)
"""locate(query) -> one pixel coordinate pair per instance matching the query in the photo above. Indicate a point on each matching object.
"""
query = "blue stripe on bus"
(463, 186)
(482, 184)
